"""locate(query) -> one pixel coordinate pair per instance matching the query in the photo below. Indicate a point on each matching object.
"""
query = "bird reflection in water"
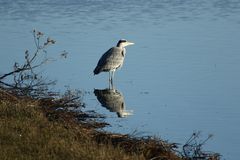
(113, 100)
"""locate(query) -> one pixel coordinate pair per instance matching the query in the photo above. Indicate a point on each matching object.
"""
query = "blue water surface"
(181, 76)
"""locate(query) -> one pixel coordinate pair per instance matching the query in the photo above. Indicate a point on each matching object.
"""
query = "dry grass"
(26, 133)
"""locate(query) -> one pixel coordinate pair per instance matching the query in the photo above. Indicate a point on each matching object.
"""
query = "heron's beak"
(130, 43)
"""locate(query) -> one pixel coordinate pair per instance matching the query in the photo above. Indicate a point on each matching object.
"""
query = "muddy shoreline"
(78, 125)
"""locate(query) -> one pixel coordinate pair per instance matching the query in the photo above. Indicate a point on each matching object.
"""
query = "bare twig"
(24, 76)
(193, 148)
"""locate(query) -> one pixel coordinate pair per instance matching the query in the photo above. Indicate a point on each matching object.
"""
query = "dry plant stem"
(29, 61)
(24, 77)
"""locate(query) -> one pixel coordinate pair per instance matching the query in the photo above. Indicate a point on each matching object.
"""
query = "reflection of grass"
(27, 133)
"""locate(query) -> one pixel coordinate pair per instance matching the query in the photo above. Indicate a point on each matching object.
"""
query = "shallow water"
(182, 74)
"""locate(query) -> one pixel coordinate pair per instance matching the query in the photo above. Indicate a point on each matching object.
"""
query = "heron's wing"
(111, 59)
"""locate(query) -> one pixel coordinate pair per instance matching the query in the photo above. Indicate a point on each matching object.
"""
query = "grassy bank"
(29, 131)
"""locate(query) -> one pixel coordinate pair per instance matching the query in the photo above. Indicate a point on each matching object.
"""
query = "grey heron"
(112, 59)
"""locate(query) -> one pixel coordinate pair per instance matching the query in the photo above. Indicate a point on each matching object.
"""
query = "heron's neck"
(124, 52)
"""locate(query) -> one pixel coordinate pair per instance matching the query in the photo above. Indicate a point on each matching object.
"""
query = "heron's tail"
(96, 70)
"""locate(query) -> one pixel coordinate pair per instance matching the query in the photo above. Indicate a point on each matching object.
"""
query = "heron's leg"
(113, 74)
(109, 76)
(111, 84)
(110, 79)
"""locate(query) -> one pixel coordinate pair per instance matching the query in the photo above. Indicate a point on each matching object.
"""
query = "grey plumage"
(112, 59)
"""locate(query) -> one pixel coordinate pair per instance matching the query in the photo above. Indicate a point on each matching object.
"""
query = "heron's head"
(124, 43)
